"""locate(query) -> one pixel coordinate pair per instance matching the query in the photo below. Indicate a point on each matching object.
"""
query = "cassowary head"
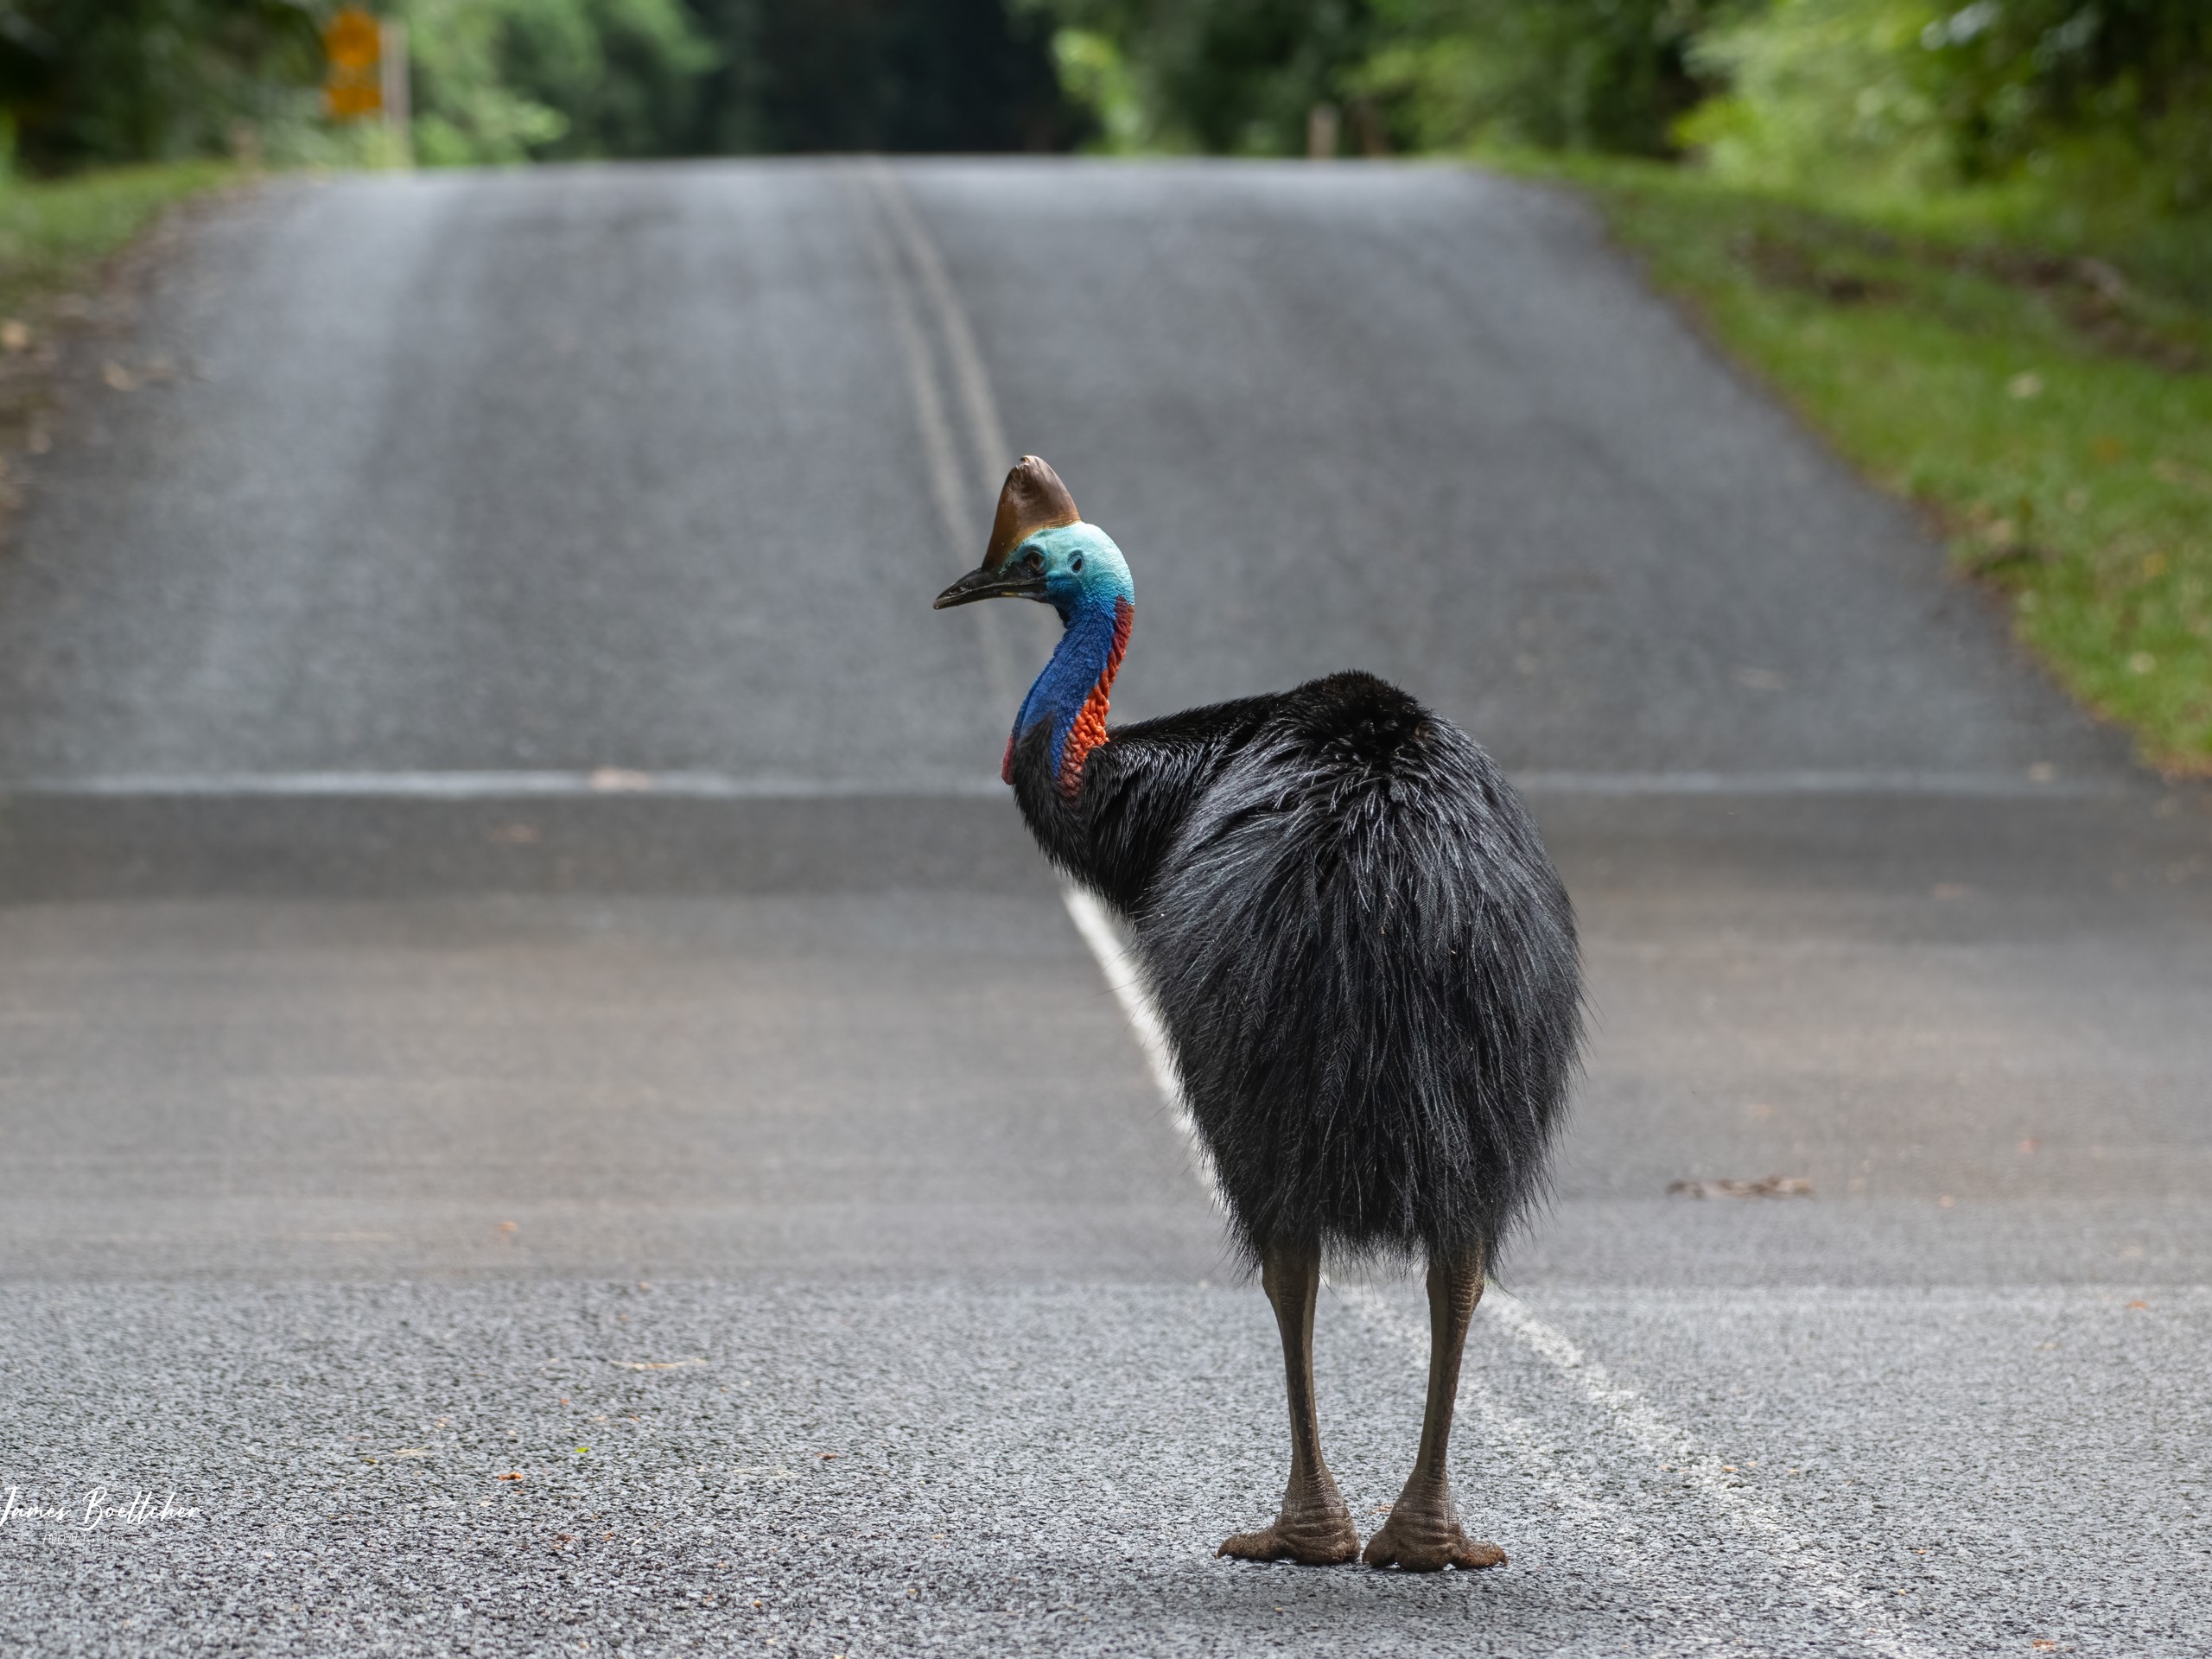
(1041, 548)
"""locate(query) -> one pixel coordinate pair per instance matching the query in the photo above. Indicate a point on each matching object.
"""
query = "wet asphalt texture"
(573, 1215)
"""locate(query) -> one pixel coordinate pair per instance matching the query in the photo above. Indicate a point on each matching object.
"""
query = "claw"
(1317, 1546)
(1416, 1542)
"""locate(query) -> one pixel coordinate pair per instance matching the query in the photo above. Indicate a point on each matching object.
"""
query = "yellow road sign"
(352, 41)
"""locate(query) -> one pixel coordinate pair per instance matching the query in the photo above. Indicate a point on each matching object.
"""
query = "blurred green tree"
(2094, 98)
(86, 81)
(1239, 76)
(957, 75)
(1554, 74)
(2029, 83)
(1244, 75)
(511, 80)
(121, 80)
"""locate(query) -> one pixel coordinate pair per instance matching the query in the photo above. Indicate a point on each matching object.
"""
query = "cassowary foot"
(1424, 1535)
(1315, 1530)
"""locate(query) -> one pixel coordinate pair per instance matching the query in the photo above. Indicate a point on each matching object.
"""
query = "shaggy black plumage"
(1365, 962)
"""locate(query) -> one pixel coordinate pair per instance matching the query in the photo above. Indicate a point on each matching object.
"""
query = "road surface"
(548, 1106)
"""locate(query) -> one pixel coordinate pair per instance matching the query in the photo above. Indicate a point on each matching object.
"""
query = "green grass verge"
(2051, 411)
(53, 235)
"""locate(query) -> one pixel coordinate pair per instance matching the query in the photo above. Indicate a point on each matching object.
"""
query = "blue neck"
(1084, 662)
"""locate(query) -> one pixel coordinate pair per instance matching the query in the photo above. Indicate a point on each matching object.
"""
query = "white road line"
(605, 782)
(1124, 979)
(1826, 1579)
(1532, 1450)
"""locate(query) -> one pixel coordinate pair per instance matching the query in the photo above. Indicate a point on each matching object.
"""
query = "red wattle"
(1089, 728)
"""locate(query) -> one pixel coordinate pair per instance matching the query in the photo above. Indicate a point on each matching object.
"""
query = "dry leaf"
(1769, 1187)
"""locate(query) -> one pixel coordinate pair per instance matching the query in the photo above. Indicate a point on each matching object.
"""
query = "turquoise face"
(1082, 567)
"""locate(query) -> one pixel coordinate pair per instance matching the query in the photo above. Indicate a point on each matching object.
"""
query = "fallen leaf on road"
(15, 336)
(517, 1475)
(117, 377)
(1769, 1186)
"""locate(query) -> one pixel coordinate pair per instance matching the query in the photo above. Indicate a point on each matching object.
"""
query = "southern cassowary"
(1364, 961)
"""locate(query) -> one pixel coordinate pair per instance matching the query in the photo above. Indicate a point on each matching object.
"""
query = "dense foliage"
(1913, 93)
(1612, 75)
(1243, 75)
(87, 80)
(2116, 94)
(1231, 75)
(799, 75)
(2110, 100)
(509, 81)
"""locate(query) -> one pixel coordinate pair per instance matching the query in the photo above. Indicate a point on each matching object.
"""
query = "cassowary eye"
(1075, 563)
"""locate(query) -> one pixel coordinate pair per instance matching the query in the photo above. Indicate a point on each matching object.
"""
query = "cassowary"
(1364, 961)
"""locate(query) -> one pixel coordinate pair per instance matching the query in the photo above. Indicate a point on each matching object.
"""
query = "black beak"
(1033, 498)
(1013, 581)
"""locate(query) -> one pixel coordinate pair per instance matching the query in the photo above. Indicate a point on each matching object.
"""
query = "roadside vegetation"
(2050, 414)
(55, 236)
(55, 232)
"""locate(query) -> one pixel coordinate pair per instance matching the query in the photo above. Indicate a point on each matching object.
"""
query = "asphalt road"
(545, 1098)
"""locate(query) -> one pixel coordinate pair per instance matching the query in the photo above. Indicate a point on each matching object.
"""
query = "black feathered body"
(1364, 961)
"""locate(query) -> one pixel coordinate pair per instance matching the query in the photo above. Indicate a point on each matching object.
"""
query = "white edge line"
(1800, 1554)
(1127, 983)
(1533, 1449)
